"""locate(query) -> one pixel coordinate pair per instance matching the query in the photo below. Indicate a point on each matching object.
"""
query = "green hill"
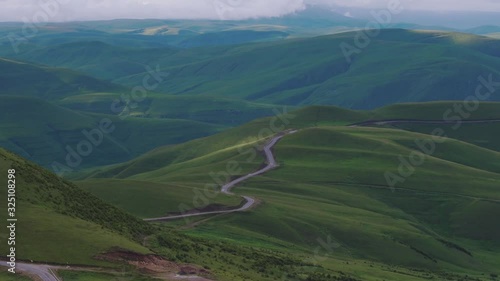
(307, 117)
(24, 79)
(96, 58)
(60, 223)
(42, 132)
(480, 134)
(216, 110)
(304, 71)
(315, 71)
(332, 184)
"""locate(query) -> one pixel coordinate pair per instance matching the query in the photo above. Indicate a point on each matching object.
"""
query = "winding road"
(272, 164)
(46, 273)
(43, 272)
(226, 189)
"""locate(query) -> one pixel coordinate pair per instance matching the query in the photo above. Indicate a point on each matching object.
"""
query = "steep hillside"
(60, 223)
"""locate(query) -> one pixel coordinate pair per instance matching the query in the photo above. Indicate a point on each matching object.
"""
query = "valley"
(250, 148)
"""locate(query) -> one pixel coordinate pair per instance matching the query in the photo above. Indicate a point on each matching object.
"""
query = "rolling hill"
(315, 71)
(49, 207)
(214, 110)
(332, 184)
(24, 79)
(418, 66)
(47, 133)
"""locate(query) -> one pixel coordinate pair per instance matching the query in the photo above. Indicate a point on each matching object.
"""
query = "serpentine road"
(226, 189)
(45, 272)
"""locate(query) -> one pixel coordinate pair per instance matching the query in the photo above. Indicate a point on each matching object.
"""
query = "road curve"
(271, 164)
(46, 273)
(43, 272)
(415, 121)
(226, 189)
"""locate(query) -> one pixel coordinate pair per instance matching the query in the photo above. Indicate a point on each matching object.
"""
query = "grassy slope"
(96, 58)
(5, 276)
(304, 71)
(484, 135)
(25, 79)
(42, 131)
(323, 189)
(60, 223)
(331, 183)
(222, 111)
(94, 276)
(157, 199)
(314, 70)
(229, 141)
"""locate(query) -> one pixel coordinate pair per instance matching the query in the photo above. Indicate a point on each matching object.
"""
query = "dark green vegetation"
(418, 66)
(24, 79)
(211, 110)
(185, 33)
(331, 189)
(42, 132)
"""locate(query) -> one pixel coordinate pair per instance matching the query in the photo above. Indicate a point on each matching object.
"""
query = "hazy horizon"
(82, 10)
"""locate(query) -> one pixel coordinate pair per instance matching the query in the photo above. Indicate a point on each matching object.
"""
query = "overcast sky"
(67, 10)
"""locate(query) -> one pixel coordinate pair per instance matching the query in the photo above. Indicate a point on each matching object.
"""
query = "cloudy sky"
(67, 10)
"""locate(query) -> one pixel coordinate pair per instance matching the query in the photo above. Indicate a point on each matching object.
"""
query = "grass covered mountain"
(49, 207)
(417, 66)
(62, 109)
(332, 186)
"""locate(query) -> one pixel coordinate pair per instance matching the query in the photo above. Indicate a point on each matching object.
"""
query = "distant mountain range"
(209, 89)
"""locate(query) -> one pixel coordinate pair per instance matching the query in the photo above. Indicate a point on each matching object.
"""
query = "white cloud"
(16, 10)
(432, 5)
